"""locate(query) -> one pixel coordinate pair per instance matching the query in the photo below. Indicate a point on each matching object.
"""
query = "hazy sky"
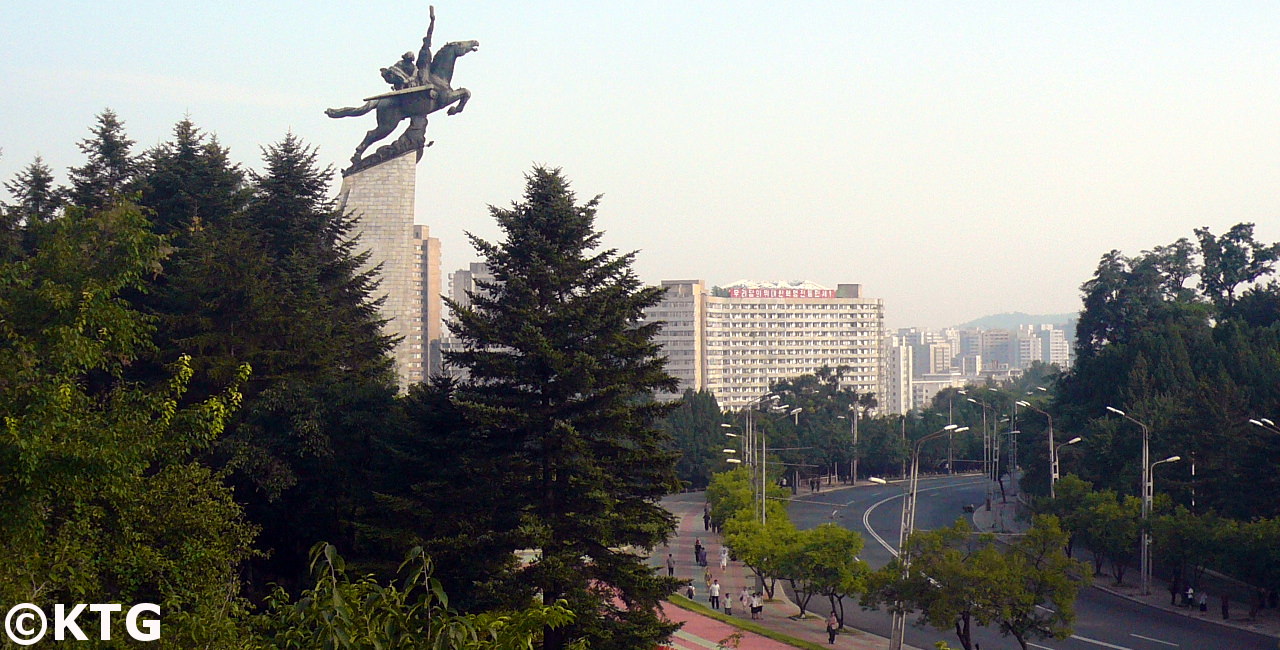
(955, 158)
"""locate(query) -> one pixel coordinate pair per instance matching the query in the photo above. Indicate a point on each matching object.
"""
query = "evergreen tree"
(36, 198)
(560, 378)
(111, 166)
(264, 274)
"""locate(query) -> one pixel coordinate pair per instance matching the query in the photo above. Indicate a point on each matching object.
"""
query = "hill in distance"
(1013, 320)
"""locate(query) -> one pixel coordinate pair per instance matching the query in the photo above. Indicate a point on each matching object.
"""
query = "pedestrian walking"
(706, 517)
(671, 566)
(1204, 601)
(1189, 597)
(728, 604)
(745, 598)
(714, 590)
(724, 558)
(757, 607)
(833, 626)
(688, 592)
(697, 552)
(706, 576)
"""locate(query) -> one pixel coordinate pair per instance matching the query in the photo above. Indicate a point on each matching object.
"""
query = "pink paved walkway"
(707, 632)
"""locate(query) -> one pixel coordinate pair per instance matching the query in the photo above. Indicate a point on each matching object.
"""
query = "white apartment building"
(736, 340)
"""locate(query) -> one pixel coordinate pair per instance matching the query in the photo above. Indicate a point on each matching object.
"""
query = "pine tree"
(561, 376)
(111, 166)
(36, 197)
(265, 274)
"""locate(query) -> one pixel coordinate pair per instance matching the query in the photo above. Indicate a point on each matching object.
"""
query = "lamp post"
(853, 431)
(1053, 451)
(1265, 424)
(908, 525)
(1144, 546)
(1146, 536)
(1056, 457)
(986, 443)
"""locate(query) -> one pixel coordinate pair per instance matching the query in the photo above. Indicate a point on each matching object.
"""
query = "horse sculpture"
(413, 103)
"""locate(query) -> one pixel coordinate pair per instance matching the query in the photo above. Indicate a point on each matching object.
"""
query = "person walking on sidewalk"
(714, 590)
(724, 557)
(1204, 601)
(728, 604)
(833, 626)
(757, 607)
(697, 551)
(671, 566)
(706, 517)
(745, 599)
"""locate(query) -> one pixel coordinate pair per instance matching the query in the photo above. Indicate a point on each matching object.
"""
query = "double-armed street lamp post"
(986, 441)
(1265, 424)
(1145, 545)
(1052, 448)
(908, 526)
(1057, 456)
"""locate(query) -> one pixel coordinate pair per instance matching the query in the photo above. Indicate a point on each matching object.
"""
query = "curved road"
(1103, 621)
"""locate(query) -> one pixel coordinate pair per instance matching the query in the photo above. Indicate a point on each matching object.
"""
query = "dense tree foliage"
(339, 613)
(102, 500)
(560, 376)
(697, 437)
(957, 580)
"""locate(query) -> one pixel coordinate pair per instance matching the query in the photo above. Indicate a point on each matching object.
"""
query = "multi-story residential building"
(898, 379)
(736, 340)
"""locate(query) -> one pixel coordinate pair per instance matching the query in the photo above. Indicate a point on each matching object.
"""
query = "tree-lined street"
(1104, 620)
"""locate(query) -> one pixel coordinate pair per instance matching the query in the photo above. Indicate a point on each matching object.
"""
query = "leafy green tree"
(561, 371)
(341, 613)
(1110, 530)
(1184, 543)
(1231, 260)
(958, 580)
(824, 561)
(101, 500)
(1038, 572)
(111, 168)
(762, 547)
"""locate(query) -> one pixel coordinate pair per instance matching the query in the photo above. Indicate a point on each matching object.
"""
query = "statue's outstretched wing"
(396, 93)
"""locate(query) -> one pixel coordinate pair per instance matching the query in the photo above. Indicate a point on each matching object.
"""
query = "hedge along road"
(1103, 620)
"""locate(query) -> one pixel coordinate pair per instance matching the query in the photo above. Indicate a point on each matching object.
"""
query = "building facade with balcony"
(734, 341)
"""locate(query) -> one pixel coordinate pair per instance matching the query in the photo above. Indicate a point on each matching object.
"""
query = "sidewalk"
(1002, 518)
(777, 613)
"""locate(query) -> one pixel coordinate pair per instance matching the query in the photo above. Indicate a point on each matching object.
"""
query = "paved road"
(1103, 620)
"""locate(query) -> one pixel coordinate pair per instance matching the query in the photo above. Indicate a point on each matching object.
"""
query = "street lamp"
(1265, 424)
(1145, 544)
(1058, 450)
(908, 525)
(986, 443)
(1053, 451)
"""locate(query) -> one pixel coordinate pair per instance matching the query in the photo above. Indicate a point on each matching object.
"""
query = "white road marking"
(1147, 638)
(866, 514)
(1036, 645)
(1101, 643)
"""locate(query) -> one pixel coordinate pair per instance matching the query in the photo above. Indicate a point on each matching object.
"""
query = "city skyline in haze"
(957, 160)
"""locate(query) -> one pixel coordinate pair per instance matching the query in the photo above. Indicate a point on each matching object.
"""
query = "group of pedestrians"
(752, 602)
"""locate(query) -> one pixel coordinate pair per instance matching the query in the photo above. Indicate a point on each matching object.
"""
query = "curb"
(1210, 619)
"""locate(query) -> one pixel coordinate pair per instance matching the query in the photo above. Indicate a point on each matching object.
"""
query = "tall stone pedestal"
(381, 198)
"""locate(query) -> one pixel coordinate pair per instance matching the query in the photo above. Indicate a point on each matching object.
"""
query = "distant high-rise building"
(428, 263)
(736, 340)
(898, 379)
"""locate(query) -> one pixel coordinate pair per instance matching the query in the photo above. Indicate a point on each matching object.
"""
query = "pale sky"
(955, 158)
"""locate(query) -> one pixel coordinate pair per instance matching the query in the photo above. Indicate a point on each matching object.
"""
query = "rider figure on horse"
(406, 73)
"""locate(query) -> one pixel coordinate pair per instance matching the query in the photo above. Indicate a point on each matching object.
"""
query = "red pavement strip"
(700, 633)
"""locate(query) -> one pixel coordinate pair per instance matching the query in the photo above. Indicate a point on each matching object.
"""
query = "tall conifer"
(561, 376)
